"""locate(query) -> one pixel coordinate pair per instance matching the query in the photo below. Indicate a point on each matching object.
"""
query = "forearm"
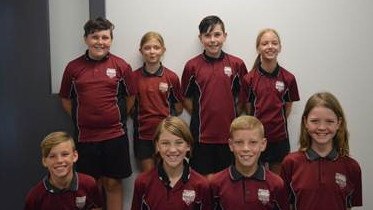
(67, 105)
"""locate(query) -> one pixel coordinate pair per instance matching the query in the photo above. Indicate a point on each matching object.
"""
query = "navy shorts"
(143, 149)
(210, 158)
(109, 158)
(275, 152)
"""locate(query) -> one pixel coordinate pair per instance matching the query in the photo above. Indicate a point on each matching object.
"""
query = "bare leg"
(147, 164)
(114, 193)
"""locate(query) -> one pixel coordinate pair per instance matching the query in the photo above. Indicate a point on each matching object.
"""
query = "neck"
(246, 171)
(61, 183)
(269, 66)
(174, 174)
(322, 150)
(152, 67)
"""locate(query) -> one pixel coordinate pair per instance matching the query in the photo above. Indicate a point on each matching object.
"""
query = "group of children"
(224, 160)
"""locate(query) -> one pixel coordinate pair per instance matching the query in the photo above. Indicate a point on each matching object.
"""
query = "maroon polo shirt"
(97, 90)
(153, 191)
(156, 97)
(83, 193)
(214, 85)
(329, 183)
(263, 190)
(268, 93)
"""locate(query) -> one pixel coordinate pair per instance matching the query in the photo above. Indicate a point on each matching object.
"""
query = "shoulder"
(351, 163)
(198, 179)
(220, 176)
(145, 178)
(233, 58)
(274, 179)
(170, 73)
(293, 158)
(286, 73)
(195, 60)
(86, 180)
(118, 60)
(35, 193)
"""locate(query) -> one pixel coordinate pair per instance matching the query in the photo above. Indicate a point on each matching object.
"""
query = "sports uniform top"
(329, 183)
(83, 193)
(155, 100)
(268, 93)
(153, 192)
(263, 190)
(97, 90)
(214, 85)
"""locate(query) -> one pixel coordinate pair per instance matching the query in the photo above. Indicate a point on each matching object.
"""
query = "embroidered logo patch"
(280, 86)
(189, 196)
(340, 180)
(263, 196)
(80, 202)
(163, 87)
(111, 73)
(228, 71)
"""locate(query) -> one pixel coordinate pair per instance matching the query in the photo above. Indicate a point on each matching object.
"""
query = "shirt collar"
(265, 73)
(87, 58)
(52, 189)
(236, 175)
(212, 59)
(312, 155)
(164, 178)
(158, 73)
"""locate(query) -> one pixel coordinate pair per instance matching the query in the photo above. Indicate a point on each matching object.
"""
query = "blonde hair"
(54, 139)
(151, 35)
(175, 126)
(258, 38)
(327, 100)
(246, 122)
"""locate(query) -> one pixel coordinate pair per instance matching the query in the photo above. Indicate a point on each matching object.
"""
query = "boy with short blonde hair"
(246, 183)
(62, 187)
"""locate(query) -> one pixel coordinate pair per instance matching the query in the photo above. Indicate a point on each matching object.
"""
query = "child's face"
(269, 46)
(213, 41)
(60, 161)
(247, 145)
(98, 44)
(322, 125)
(152, 51)
(172, 149)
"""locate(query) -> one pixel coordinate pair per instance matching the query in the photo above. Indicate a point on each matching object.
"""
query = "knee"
(112, 184)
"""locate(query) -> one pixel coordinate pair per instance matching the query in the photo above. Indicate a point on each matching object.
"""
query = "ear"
(263, 144)
(43, 161)
(230, 143)
(75, 156)
(200, 37)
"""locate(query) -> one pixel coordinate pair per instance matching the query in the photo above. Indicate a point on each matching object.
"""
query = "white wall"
(326, 44)
(66, 20)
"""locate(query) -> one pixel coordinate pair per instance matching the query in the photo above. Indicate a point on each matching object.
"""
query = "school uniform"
(153, 191)
(324, 183)
(264, 190)
(83, 193)
(155, 100)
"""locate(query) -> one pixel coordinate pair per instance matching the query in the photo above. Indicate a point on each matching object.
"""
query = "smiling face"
(322, 125)
(98, 44)
(247, 145)
(172, 149)
(213, 41)
(268, 46)
(60, 161)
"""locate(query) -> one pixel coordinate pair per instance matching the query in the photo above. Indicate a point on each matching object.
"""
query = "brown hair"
(327, 100)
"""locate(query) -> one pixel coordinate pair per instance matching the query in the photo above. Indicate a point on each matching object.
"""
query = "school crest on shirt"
(228, 71)
(340, 180)
(80, 202)
(263, 196)
(280, 86)
(111, 73)
(189, 196)
(163, 87)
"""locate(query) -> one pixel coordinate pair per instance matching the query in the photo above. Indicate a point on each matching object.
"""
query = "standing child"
(211, 82)
(158, 96)
(247, 184)
(322, 175)
(172, 184)
(268, 93)
(96, 90)
(62, 188)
